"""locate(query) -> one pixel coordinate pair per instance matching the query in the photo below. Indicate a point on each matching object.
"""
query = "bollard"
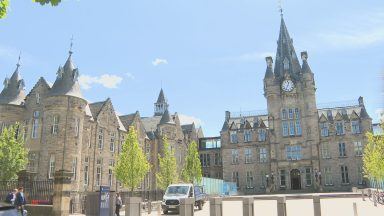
(355, 209)
(216, 206)
(133, 206)
(149, 203)
(281, 206)
(316, 205)
(159, 209)
(362, 195)
(186, 207)
(248, 207)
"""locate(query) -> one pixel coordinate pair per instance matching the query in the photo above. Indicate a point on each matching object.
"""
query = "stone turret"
(13, 92)
(161, 104)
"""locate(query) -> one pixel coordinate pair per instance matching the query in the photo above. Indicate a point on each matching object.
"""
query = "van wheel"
(165, 211)
(200, 205)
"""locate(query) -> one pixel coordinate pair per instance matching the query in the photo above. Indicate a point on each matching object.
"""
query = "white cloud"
(380, 113)
(185, 119)
(248, 57)
(130, 76)
(159, 61)
(106, 80)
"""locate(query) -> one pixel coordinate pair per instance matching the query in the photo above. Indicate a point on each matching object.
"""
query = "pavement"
(295, 207)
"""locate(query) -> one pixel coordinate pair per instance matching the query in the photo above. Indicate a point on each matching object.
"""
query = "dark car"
(7, 209)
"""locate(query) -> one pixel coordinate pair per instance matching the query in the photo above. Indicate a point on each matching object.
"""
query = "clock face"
(287, 85)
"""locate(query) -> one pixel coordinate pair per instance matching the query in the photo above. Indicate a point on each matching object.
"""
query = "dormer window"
(286, 64)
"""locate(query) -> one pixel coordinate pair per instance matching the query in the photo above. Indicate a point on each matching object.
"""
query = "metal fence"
(376, 184)
(36, 192)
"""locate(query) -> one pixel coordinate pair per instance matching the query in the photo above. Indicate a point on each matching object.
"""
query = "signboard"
(104, 200)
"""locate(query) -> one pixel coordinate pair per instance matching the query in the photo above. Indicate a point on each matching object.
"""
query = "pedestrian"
(119, 204)
(20, 201)
(11, 197)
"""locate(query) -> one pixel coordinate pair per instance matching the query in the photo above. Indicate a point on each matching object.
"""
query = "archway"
(295, 179)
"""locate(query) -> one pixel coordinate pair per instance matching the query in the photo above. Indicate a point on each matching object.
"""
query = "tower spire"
(70, 46)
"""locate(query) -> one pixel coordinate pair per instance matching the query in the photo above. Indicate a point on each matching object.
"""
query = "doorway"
(295, 179)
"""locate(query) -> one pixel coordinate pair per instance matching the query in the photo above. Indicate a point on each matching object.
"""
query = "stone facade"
(294, 145)
(64, 132)
(210, 157)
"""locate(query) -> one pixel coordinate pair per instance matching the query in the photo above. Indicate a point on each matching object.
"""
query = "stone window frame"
(235, 156)
(100, 138)
(293, 152)
(51, 167)
(112, 140)
(328, 180)
(324, 129)
(355, 127)
(77, 127)
(339, 128)
(344, 175)
(360, 176)
(99, 175)
(233, 137)
(358, 148)
(291, 122)
(325, 153)
(263, 155)
(282, 178)
(308, 176)
(55, 124)
(35, 128)
(262, 135)
(248, 155)
(235, 178)
(38, 98)
(247, 135)
(249, 180)
(74, 168)
(342, 150)
(86, 174)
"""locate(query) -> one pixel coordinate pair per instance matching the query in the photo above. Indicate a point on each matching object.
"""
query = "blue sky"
(207, 55)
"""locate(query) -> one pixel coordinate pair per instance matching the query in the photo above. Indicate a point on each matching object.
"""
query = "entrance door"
(295, 179)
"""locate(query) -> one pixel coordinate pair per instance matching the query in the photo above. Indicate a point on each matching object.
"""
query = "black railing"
(36, 192)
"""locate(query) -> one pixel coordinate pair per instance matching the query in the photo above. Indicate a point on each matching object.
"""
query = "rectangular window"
(86, 174)
(233, 136)
(77, 127)
(35, 127)
(263, 155)
(262, 135)
(248, 155)
(98, 176)
(217, 159)
(111, 163)
(202, 160)
(290, 113)
(110, 177)
(262, 179)
(298, 127)
(249, 179)
(51, 171)
(285, 128)
(339, 128)
(235, 156)
(358, 148)
(291, 128)
(328, 176)
(297, 113)
(112, 143)
(355, 127)
(208, 160)
(283, 181)
(235, 178)
(324, 129)
(100, 142)
(344, 175)
(74, 168)
(293, 152)
(325, 150)
(308, 177)
(342, 152)
(55, 124)
(37, 98)
(284, 114)
(247, 136)
(32, 161)
(360, 177)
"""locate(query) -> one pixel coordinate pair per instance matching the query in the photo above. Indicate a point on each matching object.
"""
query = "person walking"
(11, 197)
(119, 204)
(20, 201)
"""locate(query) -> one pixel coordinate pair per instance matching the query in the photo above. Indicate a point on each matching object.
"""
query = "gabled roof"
(127, 120)
(188, 127)
(96, 108)
(13, 92)
(40, 82)
(166, 118)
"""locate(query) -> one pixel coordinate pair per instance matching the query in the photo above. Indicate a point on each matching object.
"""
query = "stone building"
(62, 130)
(294, 145)
(210, 157)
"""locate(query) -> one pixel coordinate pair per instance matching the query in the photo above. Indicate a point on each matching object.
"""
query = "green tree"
(373, 157)
(167, 167)
(13, 154)
(132, 165)
(192, 168)
(4, 4)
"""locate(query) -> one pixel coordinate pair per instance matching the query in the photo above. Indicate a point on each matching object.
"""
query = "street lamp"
(267, 179)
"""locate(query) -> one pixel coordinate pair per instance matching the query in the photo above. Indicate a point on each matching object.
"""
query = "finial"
(71, 45)
(280, 8)
(18, 61)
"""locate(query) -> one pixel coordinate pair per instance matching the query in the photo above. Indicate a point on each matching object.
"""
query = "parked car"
(7, 209)
(175, 192)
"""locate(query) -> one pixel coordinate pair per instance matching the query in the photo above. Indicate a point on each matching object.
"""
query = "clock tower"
(290, 89)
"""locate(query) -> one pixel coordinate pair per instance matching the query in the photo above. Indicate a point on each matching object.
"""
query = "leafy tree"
(373, 157)
(4, 4)
(13, 154)
(192, 168)
(132, 165)
(167, 167)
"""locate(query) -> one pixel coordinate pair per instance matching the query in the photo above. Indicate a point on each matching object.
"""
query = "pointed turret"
(305, 67)
(161, 104)
(13, 92)
(66, 81)
(166, 118)
(286, 62)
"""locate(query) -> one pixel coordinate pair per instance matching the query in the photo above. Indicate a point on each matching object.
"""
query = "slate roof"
(166, 118)
(150, 123)
(345, 112)
(286, 50)
(255, 121)
(188, 127)
(13, 92)
(66, 81)
(96, 108)
(161, 98)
